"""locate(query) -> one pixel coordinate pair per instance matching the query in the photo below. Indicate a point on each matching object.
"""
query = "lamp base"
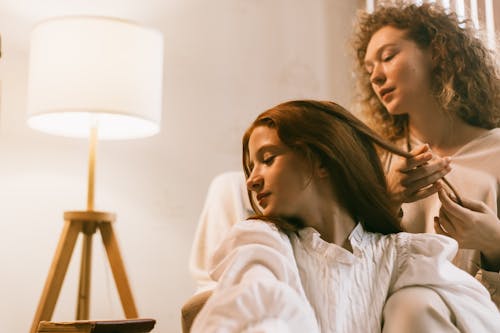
(87, 223)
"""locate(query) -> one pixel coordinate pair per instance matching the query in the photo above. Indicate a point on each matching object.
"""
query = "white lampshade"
(86, 69)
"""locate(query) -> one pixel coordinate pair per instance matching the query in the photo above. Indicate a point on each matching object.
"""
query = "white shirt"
(269, 282)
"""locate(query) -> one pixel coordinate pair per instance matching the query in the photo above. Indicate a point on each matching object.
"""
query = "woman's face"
(280, 179)
(399, 71)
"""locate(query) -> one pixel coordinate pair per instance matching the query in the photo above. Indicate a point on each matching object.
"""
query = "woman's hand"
(415, 178)
(473, 226)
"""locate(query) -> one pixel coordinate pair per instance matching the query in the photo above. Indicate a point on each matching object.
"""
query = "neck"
(325, 214)
(445, 134)
(334, 225)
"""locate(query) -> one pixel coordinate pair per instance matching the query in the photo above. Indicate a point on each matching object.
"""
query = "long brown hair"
(345, 146)
(465, 77)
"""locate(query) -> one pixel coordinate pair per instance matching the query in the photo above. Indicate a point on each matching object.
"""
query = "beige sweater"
(475, 175)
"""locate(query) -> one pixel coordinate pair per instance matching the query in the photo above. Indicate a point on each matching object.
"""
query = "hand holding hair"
(415, 177)
(473, 225)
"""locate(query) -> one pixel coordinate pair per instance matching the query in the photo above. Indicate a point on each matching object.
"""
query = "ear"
(322, 173)
(320, 170)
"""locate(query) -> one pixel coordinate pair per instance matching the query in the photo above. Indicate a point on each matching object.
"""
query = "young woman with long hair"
(325, 251)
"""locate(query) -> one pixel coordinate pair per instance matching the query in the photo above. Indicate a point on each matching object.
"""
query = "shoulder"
(252, 233)
(491, 137)
(495, 133)
(255, 227)
(482, 153)
(249, 244)
(488, 140)
(426, 245)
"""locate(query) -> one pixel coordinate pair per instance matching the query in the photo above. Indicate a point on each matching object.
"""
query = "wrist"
(490, 260)
(490, 253)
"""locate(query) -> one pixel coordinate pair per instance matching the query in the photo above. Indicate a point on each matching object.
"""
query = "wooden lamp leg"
(83, 303)
(118, 269)
(87, 223)
(57, 272)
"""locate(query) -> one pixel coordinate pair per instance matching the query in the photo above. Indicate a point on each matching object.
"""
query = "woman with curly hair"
(430, 85)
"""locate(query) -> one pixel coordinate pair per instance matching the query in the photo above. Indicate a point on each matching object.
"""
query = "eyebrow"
(378, 52)
(260, 151)
(269, 146)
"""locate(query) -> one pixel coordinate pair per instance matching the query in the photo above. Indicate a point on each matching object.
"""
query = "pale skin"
(286, 185)
(400, 76)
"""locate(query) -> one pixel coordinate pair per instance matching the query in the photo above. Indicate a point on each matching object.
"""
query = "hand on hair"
(473, 225)
(415, 178)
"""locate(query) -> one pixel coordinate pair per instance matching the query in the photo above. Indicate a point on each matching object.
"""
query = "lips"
(384, 92)
(261, 196)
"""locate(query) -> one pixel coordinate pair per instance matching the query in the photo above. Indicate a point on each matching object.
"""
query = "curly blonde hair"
(466, 79)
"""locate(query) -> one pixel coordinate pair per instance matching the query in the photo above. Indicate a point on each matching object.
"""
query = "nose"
(377, 76)
(254, 182)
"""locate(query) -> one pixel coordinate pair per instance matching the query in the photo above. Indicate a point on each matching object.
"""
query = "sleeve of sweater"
(258, 285)
(425, 260)
(226, 203)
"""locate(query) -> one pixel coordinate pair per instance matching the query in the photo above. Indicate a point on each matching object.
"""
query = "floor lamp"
(97, 78)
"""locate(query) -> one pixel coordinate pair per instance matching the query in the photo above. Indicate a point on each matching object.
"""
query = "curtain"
(480, 12)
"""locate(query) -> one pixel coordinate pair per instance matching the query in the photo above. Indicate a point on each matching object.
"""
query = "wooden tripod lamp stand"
(96, 77)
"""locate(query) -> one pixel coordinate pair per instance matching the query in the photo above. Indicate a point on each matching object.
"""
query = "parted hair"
(345, 147)
(465, 76)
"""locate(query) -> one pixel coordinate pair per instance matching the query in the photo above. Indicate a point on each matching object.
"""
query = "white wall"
(225, 62)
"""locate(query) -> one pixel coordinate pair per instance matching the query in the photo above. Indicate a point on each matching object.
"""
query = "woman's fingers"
(420, 185)
(453, 209)
(414, 178)
(475, 205)
(466, 214)
(450, 208)
(473, 225)
(420, 149)
(421, 156)
(421, 193)
(434, 166)
(438, 228)
(426, 180)
(447, 224)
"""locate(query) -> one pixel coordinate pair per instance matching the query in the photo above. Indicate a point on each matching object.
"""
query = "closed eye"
(269, 160)
(388, 56)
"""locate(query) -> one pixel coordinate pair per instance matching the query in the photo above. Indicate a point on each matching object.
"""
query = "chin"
(394, 110)
(270, 211)
(266, 211)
